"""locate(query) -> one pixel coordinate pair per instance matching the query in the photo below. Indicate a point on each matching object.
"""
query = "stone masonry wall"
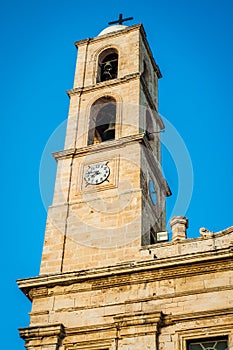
(129, 306)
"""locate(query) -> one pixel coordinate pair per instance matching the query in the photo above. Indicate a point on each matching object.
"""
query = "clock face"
(97, 173)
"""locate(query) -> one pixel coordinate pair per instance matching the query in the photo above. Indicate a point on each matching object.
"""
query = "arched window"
(102, 121)
(107, 65)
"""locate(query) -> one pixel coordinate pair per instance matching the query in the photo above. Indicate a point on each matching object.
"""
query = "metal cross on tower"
(121, 19)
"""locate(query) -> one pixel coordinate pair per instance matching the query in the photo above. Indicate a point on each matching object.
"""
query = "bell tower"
(109, 280)
(109, 197)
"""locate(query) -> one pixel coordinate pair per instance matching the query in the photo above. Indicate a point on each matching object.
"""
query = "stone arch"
(119, 106)
(102, 120)
(107, 61)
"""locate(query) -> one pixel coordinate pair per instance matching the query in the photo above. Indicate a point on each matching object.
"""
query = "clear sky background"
(192, 41)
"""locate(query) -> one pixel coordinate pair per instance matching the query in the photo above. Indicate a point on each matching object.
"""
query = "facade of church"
(109, 277)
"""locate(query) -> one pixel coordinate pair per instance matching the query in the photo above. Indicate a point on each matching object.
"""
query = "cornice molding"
(120, 321)
(38, 292)
(125, 325)
(138, 318)
(187, 317)
(133, 272)
(42, 331)
(108, 35)
(82, 151)
(101, 85)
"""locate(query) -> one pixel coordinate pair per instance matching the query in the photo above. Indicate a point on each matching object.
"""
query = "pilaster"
(47, 337)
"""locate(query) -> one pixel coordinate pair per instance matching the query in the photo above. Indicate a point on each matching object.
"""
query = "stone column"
(179, 224)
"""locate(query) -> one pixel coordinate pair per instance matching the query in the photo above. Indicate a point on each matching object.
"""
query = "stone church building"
(110, 279)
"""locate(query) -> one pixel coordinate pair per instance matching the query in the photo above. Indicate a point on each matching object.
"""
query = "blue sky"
(193, 45)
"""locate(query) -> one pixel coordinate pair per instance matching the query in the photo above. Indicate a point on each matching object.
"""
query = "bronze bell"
(107, 71)
(108, 66)
(109, 133)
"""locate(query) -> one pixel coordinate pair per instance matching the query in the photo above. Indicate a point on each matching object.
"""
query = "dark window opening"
(218, 343)
(102, 121)
(107, 65)
(105, 122)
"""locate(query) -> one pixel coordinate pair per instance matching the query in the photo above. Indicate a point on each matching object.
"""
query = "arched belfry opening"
(102, 120)
(107, 65)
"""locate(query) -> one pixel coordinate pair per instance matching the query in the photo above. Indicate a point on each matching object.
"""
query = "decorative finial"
(206, 233)
(120, 20)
